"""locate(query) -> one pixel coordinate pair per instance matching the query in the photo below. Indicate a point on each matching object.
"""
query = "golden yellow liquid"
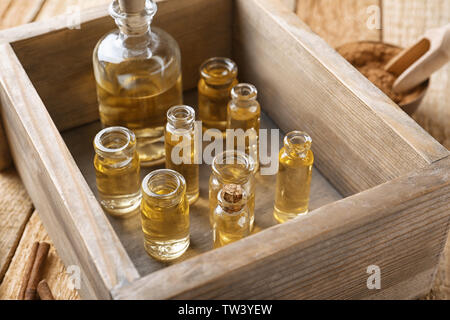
(230, 227)
(190, 172)
(132, 97)
(166, 228)
(246, 119)
(118, 184)
(293, 185)
(213, 99)
(234, 174)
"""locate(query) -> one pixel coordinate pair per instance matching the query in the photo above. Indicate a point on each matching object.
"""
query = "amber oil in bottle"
(138, 76)
(244, 112)
(165, 214)
(231, 217)
(116, 165)
(217, 77)
(232, 167)
(181, 148)
(294, 176)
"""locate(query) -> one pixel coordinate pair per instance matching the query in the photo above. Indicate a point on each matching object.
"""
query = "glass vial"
(116, 165)
(294, 176)
(165, 214)
(217, 77)
(232, 167)
(244, 112)
(180, 140)
(138, 75)
(231, 217)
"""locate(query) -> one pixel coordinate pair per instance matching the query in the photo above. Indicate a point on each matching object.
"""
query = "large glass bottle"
(138, 75)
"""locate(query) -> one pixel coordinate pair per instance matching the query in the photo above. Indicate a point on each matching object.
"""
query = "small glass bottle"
(116, 165)
(244, 112)
(217, 77)
(294, 176)
(231, 217)
(232, 167)
(138, 75)
(165, 214)
(179, 138)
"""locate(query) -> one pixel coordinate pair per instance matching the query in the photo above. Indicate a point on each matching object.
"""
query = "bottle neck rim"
(297, 143)
(181, 117)
(244, 92)
(228, 71)
(133, 24)
(163, 179)
(231, 157)
(115, 142)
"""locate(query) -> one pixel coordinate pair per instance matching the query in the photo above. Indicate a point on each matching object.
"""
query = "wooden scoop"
(414, 65)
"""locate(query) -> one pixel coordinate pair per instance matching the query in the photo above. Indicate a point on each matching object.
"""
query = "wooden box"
(381, 189)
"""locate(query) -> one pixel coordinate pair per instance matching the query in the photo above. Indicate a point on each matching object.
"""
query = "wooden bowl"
(413, 99)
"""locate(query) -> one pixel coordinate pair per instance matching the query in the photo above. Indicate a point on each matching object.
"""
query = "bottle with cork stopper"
(137, 70)
(231, 217)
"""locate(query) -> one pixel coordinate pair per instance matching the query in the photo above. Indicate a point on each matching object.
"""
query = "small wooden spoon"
(414, 65)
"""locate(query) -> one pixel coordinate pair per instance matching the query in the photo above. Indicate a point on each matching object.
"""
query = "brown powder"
(370, 58)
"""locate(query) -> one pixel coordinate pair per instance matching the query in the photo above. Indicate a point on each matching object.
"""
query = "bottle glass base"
(166, 250)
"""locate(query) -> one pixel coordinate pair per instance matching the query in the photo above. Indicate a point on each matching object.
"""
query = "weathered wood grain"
(404, 22)
(325, 254)
(341, 21)
(207, 24)
(19, 12)
(360, 137)
(67, 207)
(52, 8)
(15, 210)
(5, 157)
(54, 272)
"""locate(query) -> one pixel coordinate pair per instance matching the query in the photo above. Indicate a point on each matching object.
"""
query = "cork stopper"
(232, 194)
(132, 6)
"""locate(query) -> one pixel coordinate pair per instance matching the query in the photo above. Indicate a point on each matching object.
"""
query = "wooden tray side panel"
(360, 138)
(5, 157)
(71, 215)
(400, 226)
(59, 62)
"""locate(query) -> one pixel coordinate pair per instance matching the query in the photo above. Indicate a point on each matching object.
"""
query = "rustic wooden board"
(54, 271)
(18, 12)
(207, 24)
(15, 210)
(279, 261)
(340, 21)
(79, 142)
(404, 23)
(275, 264)
(52, 8)
(56, 186)
(329, 99)
(5, 157)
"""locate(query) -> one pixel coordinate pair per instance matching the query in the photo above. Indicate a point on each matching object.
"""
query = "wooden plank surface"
(340, 21)
(15, 210)
(54, 272)
(299, 97)
(205, 23)
(325, 254)
(37, 147)
(404, 22)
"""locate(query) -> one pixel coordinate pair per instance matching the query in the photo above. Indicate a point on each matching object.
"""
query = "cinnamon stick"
(28, 268)
(44, 291)
(41, 255)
